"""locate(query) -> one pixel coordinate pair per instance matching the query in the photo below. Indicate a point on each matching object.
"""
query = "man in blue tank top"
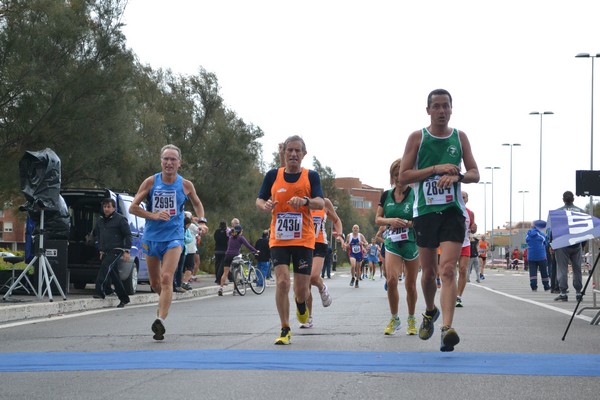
(165, 194)
(432, 163)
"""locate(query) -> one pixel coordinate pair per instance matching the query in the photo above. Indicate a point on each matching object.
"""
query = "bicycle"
(245, 273)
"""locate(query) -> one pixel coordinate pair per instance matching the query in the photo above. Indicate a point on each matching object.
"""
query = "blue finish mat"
(336, 361)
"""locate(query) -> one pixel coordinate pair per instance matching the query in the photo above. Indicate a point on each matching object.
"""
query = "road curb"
(48, 309)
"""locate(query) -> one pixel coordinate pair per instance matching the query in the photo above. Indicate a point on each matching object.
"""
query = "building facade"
(363, 198)
(12, 231)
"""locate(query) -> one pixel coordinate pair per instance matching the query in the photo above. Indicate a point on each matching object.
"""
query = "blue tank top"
(172, 198)
(373, 250)
(355, 247)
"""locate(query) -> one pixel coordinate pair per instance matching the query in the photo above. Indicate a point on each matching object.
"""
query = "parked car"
(83, 256)
(6, 254)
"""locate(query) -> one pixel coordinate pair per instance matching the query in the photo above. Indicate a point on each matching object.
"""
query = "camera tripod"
(590, 276)
(45, 273)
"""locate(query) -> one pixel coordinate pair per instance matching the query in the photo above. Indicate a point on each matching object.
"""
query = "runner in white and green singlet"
(432, 162)
(429, 196)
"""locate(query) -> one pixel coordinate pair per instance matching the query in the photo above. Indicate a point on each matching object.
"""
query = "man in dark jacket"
(264, 255)
(112, 234)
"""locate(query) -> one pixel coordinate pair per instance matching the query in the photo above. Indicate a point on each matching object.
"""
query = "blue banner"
(572, 227)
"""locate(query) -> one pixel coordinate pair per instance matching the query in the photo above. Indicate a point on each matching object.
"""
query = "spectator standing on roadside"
(536, 249)
(167, 192)
(326, 270)
(190, 252)
(516, 256)
(264, 255)
(334, 260)
(112, 233)
(221, 238)
(570, 254)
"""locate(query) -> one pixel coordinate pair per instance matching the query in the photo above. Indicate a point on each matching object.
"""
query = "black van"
(83, 257)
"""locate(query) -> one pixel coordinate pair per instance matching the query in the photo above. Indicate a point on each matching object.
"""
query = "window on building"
(360, 202)
(8, 226)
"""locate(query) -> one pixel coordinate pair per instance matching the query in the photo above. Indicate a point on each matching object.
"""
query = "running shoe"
(438, 282)
(158, 327)
(325, 297)
(561, 297)
(481, 277)
(385, 286)
(458, 302)
(426, 329)
(578, 296)
(412, 325)
(352, 282)
(302, 318)
(186, 286)
(392, 327)
(356, 284)
(308, 324)
(285, 337)
(449, 339)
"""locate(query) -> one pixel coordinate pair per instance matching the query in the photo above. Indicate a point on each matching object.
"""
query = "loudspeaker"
(587, 183)
(57, 254)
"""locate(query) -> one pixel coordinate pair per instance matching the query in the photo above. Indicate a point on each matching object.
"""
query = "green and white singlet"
(434, 151)
(400, 241)
(403, 210)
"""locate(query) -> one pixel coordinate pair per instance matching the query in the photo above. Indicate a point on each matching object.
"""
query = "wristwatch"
(203, 220)
(307, 201)
(460, 177)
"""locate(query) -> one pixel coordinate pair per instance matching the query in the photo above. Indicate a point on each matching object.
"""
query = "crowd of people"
(424, 226)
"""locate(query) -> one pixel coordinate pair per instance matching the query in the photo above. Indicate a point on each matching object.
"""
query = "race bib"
(356, 248)
(288, 226)
(164, 200)
(435, 195)
(398, 234)
(317, 222)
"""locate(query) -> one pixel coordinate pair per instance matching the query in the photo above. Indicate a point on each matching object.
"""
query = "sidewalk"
(21, 306)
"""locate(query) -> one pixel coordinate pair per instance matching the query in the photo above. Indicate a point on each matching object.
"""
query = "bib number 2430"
(288, 226)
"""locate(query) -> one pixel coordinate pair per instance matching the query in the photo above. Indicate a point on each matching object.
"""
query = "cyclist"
(234, 245)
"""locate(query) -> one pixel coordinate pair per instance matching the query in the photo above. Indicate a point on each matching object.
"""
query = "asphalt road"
(222, 348)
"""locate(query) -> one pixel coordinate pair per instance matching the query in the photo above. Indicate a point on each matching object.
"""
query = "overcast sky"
(352, 78)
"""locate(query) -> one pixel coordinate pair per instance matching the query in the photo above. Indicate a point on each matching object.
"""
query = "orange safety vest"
(291, 227)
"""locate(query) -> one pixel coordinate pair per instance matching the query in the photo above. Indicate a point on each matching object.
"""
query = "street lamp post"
(592, 56)
(523, 193)
(541, 114)
(511, 145)
(484, 206)
(492, 237)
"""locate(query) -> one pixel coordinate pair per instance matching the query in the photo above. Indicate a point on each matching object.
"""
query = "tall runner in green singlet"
(432, 161)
